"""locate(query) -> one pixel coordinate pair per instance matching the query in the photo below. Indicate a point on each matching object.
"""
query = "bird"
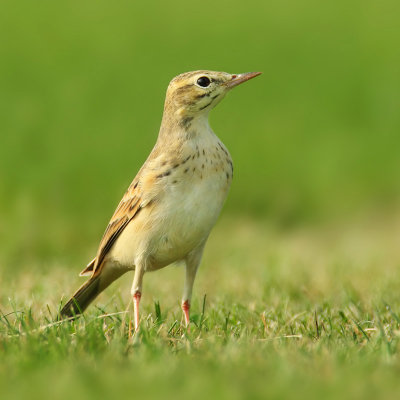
(172, 204)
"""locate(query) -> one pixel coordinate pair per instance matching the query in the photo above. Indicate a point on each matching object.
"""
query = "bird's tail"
(81, 299)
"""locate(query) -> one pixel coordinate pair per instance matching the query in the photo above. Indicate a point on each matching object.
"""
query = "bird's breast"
(188, 188)
(194, 190)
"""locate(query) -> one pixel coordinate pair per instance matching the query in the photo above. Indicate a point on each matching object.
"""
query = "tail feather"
(81, 299)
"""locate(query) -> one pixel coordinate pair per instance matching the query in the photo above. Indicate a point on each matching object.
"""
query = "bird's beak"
(238, 79)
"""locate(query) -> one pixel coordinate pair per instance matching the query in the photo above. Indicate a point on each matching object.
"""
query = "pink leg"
(136, 301)
(186, 309)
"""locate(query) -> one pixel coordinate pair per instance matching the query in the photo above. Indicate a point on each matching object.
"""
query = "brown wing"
(141, 193)
(127, 209)
(88, 271)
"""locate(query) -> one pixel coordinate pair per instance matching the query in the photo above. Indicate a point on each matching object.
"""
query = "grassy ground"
(282, 314)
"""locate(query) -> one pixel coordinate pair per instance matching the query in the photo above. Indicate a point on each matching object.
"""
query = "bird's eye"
(203, 81)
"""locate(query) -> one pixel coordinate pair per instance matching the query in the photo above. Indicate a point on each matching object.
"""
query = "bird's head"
(198, 92)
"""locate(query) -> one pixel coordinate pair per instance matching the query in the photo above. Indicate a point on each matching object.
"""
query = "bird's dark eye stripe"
(203, 81)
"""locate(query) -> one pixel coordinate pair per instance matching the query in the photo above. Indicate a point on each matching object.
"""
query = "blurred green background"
(315, 139)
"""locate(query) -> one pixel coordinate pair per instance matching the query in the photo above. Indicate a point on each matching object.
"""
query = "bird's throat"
(184, 126)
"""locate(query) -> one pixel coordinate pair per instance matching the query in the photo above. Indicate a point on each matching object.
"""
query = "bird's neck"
(178, 126)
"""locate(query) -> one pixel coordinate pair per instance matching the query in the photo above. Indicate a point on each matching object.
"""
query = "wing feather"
(140, 194)
(127, 209)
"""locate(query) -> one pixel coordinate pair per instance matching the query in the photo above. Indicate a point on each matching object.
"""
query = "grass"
(276, 314)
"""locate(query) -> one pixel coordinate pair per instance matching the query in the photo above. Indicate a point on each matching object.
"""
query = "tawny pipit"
(170, 207)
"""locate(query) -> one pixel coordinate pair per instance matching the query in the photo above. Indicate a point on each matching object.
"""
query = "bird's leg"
(191, 270)
(136, 301)
(186, 311)
(136, 292)
(192, 264)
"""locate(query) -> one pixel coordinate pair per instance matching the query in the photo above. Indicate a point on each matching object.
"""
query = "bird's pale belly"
(190, 213)
(180, 220)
